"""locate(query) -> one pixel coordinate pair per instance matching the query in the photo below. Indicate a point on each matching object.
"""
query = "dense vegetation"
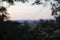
(36, 30)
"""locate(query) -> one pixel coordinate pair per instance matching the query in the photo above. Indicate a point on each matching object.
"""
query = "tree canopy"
(43, 29)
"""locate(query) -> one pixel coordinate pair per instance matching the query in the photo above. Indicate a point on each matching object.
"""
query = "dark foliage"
(44, 30)
(8, 29)
(37, 2)
(58, 1)
(36, 30)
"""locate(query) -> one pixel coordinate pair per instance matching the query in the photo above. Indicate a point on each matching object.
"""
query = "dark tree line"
(42, 29)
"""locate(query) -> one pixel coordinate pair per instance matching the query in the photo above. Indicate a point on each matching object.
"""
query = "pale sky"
(26, 11)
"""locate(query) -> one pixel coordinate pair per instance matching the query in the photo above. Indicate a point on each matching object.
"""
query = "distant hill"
(32, 20)
(25, 20)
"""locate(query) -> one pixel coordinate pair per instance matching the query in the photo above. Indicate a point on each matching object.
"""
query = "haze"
(26, 11)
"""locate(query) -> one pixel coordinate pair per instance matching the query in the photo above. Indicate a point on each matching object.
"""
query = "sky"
(26, 11)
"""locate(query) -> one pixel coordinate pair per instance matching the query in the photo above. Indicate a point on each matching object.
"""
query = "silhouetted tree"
(3, 13)
(8, 29)
(12, 30)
